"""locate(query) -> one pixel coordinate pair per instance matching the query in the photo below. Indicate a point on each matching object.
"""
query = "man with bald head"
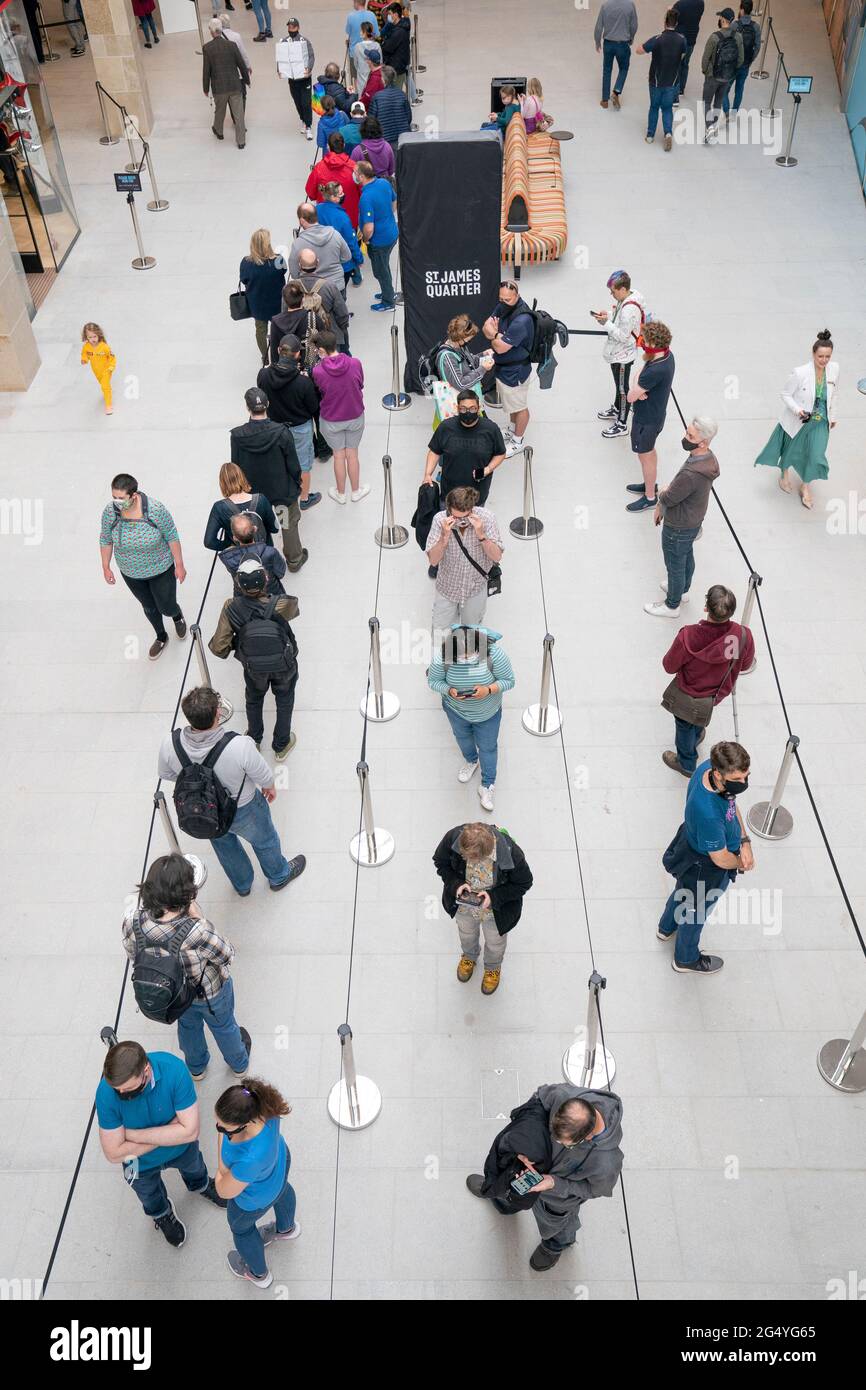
(325, 242)
(249, 543)
(309, 274)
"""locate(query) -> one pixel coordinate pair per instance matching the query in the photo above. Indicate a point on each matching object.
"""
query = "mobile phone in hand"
(525, 1182)
(469, 899)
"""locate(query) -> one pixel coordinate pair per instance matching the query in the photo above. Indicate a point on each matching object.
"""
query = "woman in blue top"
(262, 275)
(708, 851)
(471, 673)
(253, 1173)
(331, 214)
(330, 120)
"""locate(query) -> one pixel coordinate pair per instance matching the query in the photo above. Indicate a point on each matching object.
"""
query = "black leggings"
(621, 373)
(157, 595)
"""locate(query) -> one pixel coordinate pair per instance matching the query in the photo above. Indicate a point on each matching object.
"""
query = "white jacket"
(799, 394)
(625, 321)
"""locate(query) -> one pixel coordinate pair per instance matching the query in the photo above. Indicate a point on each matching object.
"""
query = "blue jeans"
(148, 28)
(303, 437)
(220, 1019)
(687, 743)
(684, 67)
(477, 742)
(149, 1187)
(262, 14)
(622, 53)
(252, 823)
(679, 561)
(242, 1224)
(738, 83)
(380, 264)
(686, 912)
(661, 100)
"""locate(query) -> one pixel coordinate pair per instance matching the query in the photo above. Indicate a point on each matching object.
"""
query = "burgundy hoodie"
(701, 653)
(340, 380)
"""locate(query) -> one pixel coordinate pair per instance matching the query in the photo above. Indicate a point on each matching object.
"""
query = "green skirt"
(806, 453)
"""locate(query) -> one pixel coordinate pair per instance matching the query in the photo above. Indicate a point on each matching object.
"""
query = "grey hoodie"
(239, 757)
(593, 1167)
(330, 248)
(617, 21)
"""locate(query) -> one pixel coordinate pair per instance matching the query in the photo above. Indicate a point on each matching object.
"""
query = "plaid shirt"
(205, 954)
(457, 580)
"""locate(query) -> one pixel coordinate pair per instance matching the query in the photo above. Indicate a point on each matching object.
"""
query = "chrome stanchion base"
(786, 161)
(131, 168)
(143, 262)
(780, 827)
(419, 67)
(829, 1058)
(561, 134)
(391, 537)
(861, 385)
(158, 205)
(526, 528)
(50, 57)
(109, 139)
(372, 850)
(199, 869)
(227, 709)
(369, 1103)
(380, 708)
(759, 76)
(603, 1071)
(542, 720)
(398, 402)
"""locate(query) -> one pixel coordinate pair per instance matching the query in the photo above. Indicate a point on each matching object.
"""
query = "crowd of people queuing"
(561, 1147)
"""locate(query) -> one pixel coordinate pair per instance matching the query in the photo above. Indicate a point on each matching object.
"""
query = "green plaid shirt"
(205, 954)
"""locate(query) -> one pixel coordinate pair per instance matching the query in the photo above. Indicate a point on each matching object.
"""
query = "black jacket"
(292, 395)
(690, 14)
(428, 506)
(395, 45)
(342, 99)
(528, 1133)
(513, 877)
(266, 453)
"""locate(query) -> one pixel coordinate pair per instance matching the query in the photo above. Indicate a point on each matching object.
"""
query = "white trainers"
(615, 430)
(513, 445)
(610, 414)
(360, 492)
(684, 598)
(337, 496)
(467, 772)
(660, 610)
(485, 796)
(308, 132)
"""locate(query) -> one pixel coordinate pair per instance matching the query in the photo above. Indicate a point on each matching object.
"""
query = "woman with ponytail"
(800, 439)
(253, 1173)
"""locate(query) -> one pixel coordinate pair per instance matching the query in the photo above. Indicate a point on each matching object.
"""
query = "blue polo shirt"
(513, 367)
(260, 1162)
(711, 820)
(375, 206)
(170, 1089)
(354, 22)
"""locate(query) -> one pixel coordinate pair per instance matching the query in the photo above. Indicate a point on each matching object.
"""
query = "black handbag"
(493, 575)
(238, 305)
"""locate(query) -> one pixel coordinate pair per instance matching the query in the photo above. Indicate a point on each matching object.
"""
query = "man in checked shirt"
(168, 903)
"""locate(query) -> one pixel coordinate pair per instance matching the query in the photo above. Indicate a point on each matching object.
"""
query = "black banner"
(449, 199)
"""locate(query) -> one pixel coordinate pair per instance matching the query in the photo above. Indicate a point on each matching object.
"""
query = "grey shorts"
(343, 434)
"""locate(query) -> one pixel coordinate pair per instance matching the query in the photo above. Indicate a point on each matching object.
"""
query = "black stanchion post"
(527, 526)
(355, 1101)
(769, 819)
(372, 846)
(584, 1064)
(544, 718)
(380, 705)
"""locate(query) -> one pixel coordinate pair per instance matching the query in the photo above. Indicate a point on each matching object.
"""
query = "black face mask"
(734, 788)
(131, 1095)
(468, 417)
(688, 444)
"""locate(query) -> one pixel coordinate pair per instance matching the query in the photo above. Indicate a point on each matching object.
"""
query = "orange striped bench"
(533, 226)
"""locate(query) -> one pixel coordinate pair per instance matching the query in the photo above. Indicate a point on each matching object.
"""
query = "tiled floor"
(743, 1169)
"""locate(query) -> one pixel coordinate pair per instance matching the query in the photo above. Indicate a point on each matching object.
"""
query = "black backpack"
(750, 33)
(546, 331)
(205, 809)
(428, 368)
(159, 981)
(247, 509)
(264, 642)
(726, 58)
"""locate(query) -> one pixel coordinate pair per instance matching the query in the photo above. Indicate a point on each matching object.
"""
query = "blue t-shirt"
(711, 820)
(513, 367)
(332, 215)
(376, 206)
(260, 1162)
(354, 22)
(169, 1090)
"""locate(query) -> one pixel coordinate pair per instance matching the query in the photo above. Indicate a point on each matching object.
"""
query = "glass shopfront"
(35, 189)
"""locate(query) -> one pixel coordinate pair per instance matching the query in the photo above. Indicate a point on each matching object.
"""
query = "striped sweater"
(465, 676)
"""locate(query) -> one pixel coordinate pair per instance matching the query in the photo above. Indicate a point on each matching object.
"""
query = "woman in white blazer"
(800, 439)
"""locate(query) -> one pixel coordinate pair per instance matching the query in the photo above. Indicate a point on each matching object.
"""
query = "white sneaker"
(467, 772)
(660, 610)
(615, 430)
(610, 414)
(337, 496)
(361, 492)
(513, 445)
(303, 128)
(308, 132)
(485, 796)
(684, 598)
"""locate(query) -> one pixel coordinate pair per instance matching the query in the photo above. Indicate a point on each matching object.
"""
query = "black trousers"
(301, 89)
(157, 596)
(257, 688)
(621, 373)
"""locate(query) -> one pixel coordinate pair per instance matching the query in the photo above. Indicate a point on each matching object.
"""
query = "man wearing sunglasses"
(510, 330)
(148, 1117)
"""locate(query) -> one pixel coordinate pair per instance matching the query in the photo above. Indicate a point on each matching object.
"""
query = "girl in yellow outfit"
(96, 351)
